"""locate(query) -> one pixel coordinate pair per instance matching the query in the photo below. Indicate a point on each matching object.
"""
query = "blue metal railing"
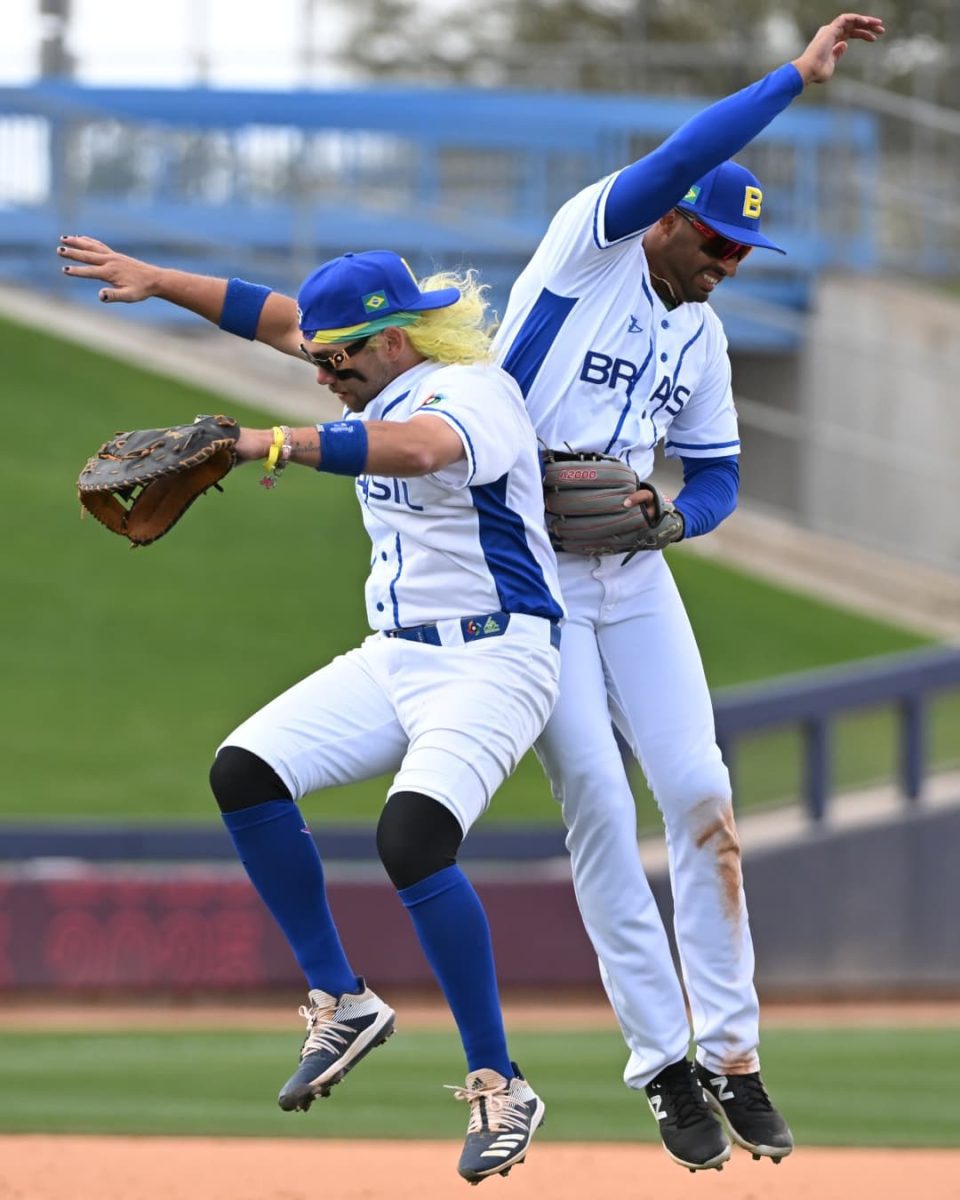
(814, 699)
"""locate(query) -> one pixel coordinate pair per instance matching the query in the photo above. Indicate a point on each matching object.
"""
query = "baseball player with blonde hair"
(456, 680)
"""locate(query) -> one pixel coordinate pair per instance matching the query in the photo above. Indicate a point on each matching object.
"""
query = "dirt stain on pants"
(719, 836)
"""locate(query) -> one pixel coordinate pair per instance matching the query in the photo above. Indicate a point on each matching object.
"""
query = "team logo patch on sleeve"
(433, 398)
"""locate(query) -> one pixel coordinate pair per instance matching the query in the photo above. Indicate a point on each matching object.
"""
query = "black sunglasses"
(335, 360)
(715, 244)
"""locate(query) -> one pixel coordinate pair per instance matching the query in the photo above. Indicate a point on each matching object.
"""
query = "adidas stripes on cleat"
(340, 1031)
(504, 1115)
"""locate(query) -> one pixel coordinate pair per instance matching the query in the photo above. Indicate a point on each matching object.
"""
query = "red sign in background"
(129, 933)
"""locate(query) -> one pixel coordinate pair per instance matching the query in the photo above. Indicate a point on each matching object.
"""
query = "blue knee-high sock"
(284, 866)
(453, 931)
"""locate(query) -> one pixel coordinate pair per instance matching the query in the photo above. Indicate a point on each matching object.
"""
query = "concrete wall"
(880, 389)
(870, 911)
(857, 434)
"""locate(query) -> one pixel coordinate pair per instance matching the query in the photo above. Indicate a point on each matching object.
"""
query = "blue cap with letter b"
(359, 294)
(729, 199)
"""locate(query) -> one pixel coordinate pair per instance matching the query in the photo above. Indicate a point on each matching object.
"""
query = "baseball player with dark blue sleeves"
(615, 349)
(448, 692)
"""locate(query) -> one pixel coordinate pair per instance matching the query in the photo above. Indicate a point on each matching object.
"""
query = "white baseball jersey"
(451, 719)
(602, 363)
(471, 538)
(605, 366)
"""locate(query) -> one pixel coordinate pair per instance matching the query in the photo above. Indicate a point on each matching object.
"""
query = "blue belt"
(473, 629)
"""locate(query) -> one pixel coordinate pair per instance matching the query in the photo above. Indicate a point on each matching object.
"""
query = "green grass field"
(840, 1087)
(129, 666)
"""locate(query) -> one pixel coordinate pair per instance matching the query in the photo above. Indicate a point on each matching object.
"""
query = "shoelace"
(323, 1032)
(684, 1097)
(491, 1108)
(752, 1093)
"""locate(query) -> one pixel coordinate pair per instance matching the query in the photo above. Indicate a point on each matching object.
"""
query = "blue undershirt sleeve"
(650, 187)
(709, 493)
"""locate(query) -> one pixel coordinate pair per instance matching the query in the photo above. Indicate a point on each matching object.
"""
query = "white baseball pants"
(629, 656)
(452, 721)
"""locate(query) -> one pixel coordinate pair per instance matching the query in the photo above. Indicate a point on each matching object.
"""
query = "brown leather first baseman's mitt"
(139, 484)
(584, 495)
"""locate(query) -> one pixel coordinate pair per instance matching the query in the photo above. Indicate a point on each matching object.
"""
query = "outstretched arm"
(268, 316)
(420, 445)
(647, 189)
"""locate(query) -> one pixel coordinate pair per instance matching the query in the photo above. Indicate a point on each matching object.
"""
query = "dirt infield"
(39, 1167)
(46, 1168)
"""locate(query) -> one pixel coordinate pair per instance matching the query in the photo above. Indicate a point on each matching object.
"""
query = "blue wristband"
(242, 306)
(343, 447)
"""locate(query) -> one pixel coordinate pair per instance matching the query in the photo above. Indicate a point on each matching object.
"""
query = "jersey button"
(383, 555)
(664, 324)
(379, 606)
(663, 358)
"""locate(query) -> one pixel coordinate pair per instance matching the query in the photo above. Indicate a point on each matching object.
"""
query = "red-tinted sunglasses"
(715, 244)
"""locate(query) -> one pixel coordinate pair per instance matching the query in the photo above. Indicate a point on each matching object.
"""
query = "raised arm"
(650, 187)
(248, 310)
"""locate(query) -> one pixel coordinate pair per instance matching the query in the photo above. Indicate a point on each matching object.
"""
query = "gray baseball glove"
(584, 494)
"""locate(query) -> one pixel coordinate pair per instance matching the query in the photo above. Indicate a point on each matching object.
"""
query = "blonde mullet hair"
(460, 333)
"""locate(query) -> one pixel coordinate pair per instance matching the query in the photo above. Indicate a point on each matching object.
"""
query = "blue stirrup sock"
(452, 928)
(283, 864)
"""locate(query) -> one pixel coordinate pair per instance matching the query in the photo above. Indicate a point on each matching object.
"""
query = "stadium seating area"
(265, 184)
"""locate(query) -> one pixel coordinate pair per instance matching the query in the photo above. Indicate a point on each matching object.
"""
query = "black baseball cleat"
(748, 1111)
(690, 1133)
(504, 1115)
(340, 1031)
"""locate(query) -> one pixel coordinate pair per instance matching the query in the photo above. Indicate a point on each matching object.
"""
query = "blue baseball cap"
(360, 294)
(729, 199)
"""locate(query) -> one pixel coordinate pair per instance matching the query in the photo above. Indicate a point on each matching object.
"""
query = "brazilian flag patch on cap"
(692, 195)
(373, 301)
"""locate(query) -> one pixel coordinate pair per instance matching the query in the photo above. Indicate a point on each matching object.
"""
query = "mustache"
(343, 376)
